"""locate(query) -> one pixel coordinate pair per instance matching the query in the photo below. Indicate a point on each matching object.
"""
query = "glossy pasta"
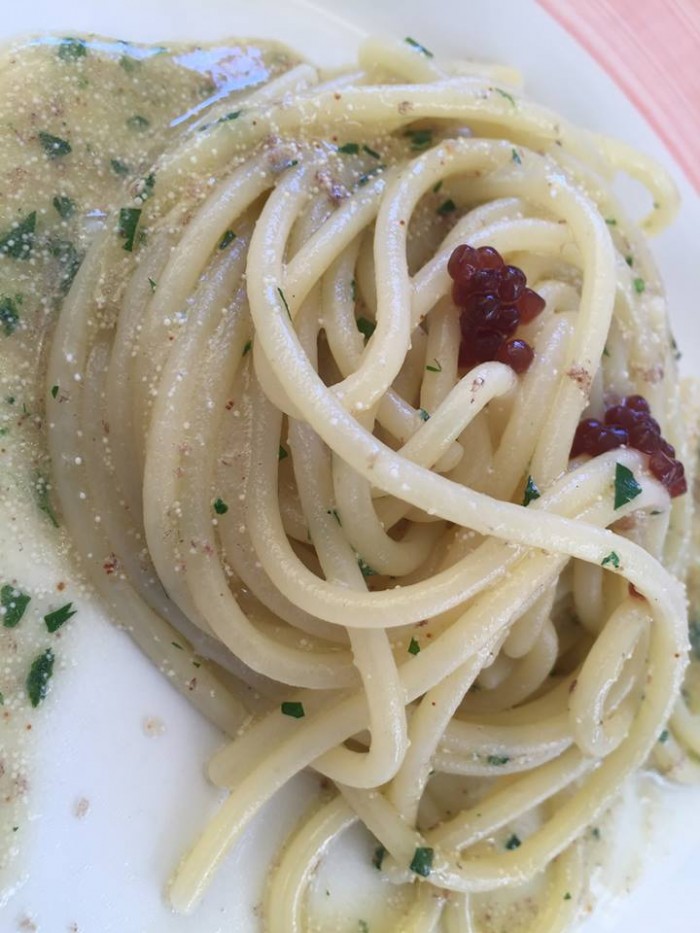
(298, 485)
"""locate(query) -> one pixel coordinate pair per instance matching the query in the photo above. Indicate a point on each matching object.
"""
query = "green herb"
(664, 736)
(68, 261)
(54, 620)
(363, 926)
(422, 861)
(363, 179)
(334, 513)
(423, 414)
(54, 391)
(515, 156)
(365, 327)
(420, 139)
(138, 123)
(282, 453)
(606, 352)
(119, 167)
(152, 283)
(639, 286)
(378, 857)
(365, 568)
(248, 347)
(284, 302)
(149, 183)
(128, 222)
(595, 832)
(629, 260)
(19, 241)
(505, 94)
(54, 146)
(414, 647)
(220, 507)
(227, 239)
(353, 290)
(371, 152)
(176, 645)
(43, 501)
(2, 703)
(626, 486)
(513, 842)
(14, 603)
(437, 186)
(694, 636)
(437, 368)
(418, 47)
(674, 346)
(567, 896)
(293, 709)
(612, 558)
(196, 664)
(129, 64)
(227, 117)
(498, 760)
(39, 675)
(70, 50)
(610, 221)
(531, 491)
(64, 206)
(9, 314)
(349, 149)
(447, 207)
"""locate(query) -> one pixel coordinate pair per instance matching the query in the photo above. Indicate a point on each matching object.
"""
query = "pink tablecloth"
(651, 48)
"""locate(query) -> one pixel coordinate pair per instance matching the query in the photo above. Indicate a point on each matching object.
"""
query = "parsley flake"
(9, 314)
(626, 486)
(365, 568)
(365, 327)
(128, 222)
(39, 675)
(371, 152)
(54, 391)
(437, 186)
(227, 239)
(507, 96)
(639, 286)
(119, 167)
(423, 414)
(378, 857)
(420, 139)
(531, 491)
(349, 149)
(282, 453)
(220, 507)
(418, 47)
(19, 241)
(664, 736)
(498, 760)
(414, 647)
(613, 558)
(284, 302)
(447, 207)
(65, 207)
(248, 347)
(70, 50)
(43, 498)
(138, 123)
(54, 146)
(152, 283)
(54, 620)
(434, 367)
(515, 156)
(422, 861)
(293, 709)
(513, 842)
(14, 604)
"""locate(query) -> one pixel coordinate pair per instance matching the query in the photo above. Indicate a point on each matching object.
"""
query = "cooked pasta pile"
(351, 553)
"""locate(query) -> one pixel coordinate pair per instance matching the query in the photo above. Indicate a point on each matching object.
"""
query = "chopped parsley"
(68, 262)
(595, 832)
(498, 760)
(418, 47)
(422, 861)
(414, 647)
(149, 183)
(152, 283)
(129, 64)
(19, 241)
(378, 857)
(54, 620)
(248, 347)
(610, 221)
(227, 117)
(9, 314)
(437, 186)
(515, 156)
(65, 206)
(227, 239)
(284, 302)
(43, 499)
(138, 123)
(363, 926)
(613, 558)
(447, 207)
(513, 842)
(531, 491)
(293, 709)
(70, 50)
(363, 179)
(626, 486)
(14, 604)
(664, 736)
(694, 636)
(54, 391)
(336, 516)
(371, 152)
(220, 507)
(119, 167)
(349, 149)
(505, 94)
(629, 260)
(365, 327)
(423, 414)
(434, 367)
(353, 289)
(39, 675)
(54, 146)
(420, 139)
(567, 896)
(128, 222)
(365, 568)
(639, 286)
(282, 453)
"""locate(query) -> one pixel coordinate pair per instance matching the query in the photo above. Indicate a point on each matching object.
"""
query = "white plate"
(147, 795)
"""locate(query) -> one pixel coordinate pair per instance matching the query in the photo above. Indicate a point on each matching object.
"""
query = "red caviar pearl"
(518, 354)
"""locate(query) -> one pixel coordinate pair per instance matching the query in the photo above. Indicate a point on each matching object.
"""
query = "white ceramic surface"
(148, 795)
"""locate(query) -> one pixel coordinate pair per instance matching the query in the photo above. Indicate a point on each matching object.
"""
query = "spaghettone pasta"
(384, 563)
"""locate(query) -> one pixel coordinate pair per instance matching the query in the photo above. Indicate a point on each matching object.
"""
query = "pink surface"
(651, 48)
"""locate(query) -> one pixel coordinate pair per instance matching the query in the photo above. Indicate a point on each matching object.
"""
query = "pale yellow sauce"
(81, 122)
